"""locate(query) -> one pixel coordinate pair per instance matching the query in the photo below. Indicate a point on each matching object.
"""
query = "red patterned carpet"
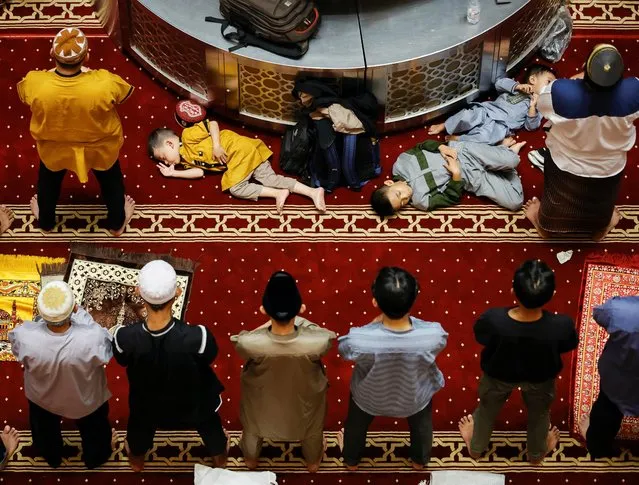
(464, 258)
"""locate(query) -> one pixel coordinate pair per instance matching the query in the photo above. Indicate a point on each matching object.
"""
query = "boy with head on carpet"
(492, 121)
(619, 373)
(432, 175)
(204, 148)
(395, 371)
(522, 349)
(64, 353)
(168, 364)
(283, 381)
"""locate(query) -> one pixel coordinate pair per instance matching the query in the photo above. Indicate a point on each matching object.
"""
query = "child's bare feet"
(280, 199)
(10, 439)
(436, 129)
(466, 426)
(552, 439)
(614, 220)
(531, 211)
(584, 424)
(129, 209)
(340, 444)
(516, 147)
(318, 199)
(6, 218)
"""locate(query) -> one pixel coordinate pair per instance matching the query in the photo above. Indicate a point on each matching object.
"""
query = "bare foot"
(417, 467)
(614, 220)
(508, 141)
(313, 467)
(436, 129)
(584, 424)
(531, 211)
(129, 209)
(10, 439)
(552, 439)
(516, 147)
(280, 199)
(135, 462)
(466, 426)
(318, 199)
(250, 463)
(220, 460)
(35, 209)
(451, 138)
(6, 218)
(340, 444)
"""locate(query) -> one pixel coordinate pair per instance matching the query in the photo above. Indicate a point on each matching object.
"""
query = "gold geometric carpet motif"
(340, 223)
(179, 451)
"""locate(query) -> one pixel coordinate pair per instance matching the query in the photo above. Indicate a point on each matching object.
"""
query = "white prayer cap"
(157, 282)
(55, 302)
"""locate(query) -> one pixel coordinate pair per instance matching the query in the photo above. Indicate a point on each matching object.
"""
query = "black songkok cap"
(604, 67)
(282, 300)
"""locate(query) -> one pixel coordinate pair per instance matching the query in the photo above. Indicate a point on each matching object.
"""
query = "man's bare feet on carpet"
(314, 467)
(35, 209)
(584, 424)
(10, 440)
(531, 211)
(340, 444)
(6, 218)
(466, 426)
(135, 462)
(318, 199)
(614, 220)
(436, 129)
(552, 439)
(280, 199)
(129, 209)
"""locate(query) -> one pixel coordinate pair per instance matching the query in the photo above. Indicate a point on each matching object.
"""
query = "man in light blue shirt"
(619, 372)
(395, 372)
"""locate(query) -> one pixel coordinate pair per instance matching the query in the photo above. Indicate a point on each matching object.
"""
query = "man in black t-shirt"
(522, 349)
(168, 363)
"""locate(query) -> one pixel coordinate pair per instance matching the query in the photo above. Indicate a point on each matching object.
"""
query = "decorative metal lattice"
(267, 93)
(158, 43)
(530, 25)
(423, 87)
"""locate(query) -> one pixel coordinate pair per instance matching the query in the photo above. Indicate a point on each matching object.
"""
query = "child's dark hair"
(536, 70)
(395, 291)
(156, 138)
(380, 203)
(534, 283)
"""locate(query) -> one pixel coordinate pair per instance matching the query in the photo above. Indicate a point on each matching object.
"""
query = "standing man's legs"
(313, 448)
(97, 436)
(119, 206)
(355, 429)
(43, 205)
(421, 436)
(601, 427)
(139, 439)
(251, 446)
(46, 433)
(214, 438)
(538, 398)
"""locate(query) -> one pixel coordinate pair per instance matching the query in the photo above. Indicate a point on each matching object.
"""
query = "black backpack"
(279, 26)
(297, 146)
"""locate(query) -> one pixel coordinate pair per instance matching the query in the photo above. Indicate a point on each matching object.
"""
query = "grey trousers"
(476, 125)
(265, 175)
(312, 447)
(493, 394)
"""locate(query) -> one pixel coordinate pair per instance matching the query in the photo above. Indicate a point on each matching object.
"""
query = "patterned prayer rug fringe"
(616, 259)
(138, 259)
(27, 265)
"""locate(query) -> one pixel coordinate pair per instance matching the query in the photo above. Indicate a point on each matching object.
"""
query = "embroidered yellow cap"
(55, 301)
(70, 46)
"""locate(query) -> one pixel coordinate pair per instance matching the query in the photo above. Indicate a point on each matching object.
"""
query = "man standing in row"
(168, 363)
(284, 384)
(76, 127)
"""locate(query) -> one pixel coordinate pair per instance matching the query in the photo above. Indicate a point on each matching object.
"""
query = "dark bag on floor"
(279, 26)
(351, 160)
(297, 145)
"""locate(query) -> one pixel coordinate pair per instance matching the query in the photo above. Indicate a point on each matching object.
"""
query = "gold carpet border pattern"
(179, 451)
(259, 223)
(55, 14)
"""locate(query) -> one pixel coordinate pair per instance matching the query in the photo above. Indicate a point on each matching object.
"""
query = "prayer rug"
(19, 287)
(601, 282)
(104, 282)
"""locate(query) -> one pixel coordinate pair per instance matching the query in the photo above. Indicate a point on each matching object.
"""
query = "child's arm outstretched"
(189, 173)
(218, 151)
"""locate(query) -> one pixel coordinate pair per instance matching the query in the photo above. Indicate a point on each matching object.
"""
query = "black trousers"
(111, 185)
(605, 422)
(141, 430)
(358, 421)
(95, 432)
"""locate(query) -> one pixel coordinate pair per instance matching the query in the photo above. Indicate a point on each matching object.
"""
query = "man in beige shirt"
(283, 382)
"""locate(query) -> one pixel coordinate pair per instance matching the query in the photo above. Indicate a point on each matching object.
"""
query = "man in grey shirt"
(64, 352)
(395, 371)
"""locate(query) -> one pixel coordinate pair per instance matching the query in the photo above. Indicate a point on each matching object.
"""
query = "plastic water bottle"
(474, 9)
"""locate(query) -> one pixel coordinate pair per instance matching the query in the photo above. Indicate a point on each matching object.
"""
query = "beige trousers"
(265, 175)
(312, 447)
